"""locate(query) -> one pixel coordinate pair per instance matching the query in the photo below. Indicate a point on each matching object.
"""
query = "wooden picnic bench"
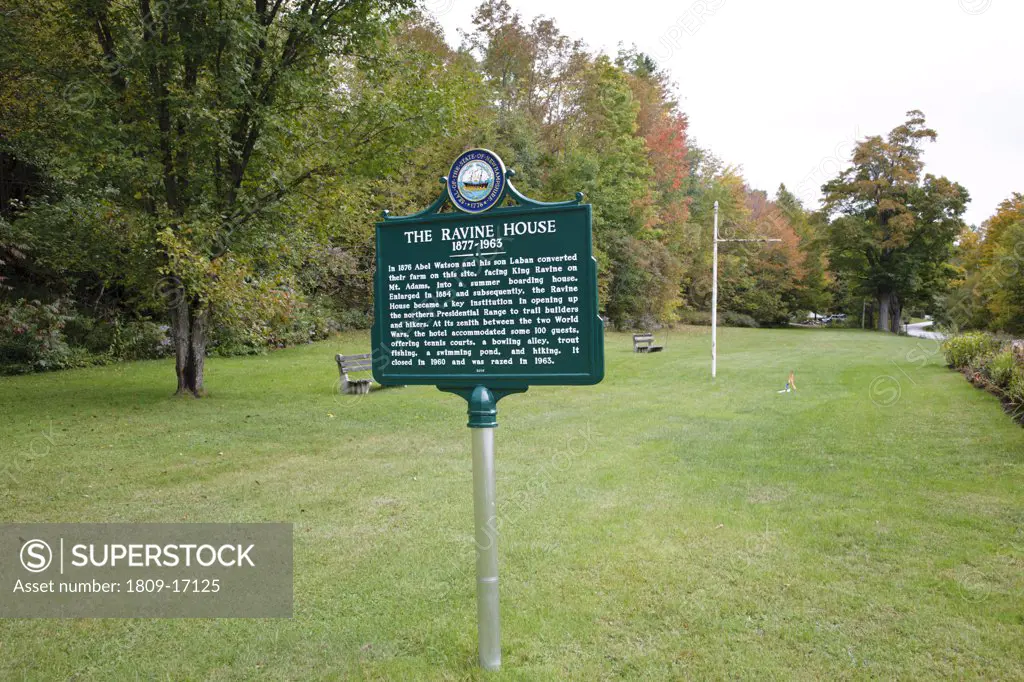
(644, 343)
(350, 364)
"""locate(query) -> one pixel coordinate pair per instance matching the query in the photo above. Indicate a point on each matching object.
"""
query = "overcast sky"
(783, 88)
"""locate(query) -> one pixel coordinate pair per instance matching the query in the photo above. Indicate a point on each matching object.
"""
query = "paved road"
(918, 329)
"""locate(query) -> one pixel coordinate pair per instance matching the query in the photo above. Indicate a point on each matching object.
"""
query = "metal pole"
(485, 515)
(714, 301)
(483, 419)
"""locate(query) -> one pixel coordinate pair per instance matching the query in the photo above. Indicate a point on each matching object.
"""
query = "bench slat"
(346, 358)
(355, 363)
(363, 362)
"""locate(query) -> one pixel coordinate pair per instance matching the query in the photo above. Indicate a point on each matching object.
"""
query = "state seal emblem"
(476, 181)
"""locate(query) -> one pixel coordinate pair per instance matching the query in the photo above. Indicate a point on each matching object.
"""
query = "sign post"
(485, 514)
(485, 300)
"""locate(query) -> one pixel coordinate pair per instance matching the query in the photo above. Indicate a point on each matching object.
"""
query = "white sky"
(783, 88)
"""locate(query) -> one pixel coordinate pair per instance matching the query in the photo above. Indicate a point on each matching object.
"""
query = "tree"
(989, 293)
(569, 122)
(774, 270)
(892, 231)
(813, 293)
(1007, 303)
(197, 125)
(709, 180)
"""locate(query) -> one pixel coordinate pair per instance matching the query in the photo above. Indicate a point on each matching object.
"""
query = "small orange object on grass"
(790, 383)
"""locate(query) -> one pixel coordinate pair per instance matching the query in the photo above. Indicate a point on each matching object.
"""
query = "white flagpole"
(714, 300)
(714, 290)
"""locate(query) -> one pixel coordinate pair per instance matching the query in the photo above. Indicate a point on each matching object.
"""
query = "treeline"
(202, 176)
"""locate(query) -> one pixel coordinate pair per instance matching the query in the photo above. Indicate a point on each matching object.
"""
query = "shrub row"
(991, 363)
(37, 336)
(963, 349)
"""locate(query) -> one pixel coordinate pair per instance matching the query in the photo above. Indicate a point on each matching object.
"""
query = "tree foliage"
(893, 230)
(218, 165)
(989, 265)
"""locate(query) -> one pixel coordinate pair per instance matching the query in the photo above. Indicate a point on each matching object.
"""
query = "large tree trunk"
(889, 311)
(180, 331)
(189, 324)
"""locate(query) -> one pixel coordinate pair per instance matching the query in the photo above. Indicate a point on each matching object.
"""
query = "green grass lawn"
(659, 525)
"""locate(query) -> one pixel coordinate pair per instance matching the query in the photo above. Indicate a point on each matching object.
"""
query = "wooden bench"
(644, 343)
(350, 364)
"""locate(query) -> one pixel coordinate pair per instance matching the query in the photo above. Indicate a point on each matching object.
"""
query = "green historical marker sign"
(505, 298)
(485, 301)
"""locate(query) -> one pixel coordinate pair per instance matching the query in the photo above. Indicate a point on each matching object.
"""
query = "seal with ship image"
(476, 181)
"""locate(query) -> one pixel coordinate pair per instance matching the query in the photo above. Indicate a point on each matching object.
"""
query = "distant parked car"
(814, 318)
